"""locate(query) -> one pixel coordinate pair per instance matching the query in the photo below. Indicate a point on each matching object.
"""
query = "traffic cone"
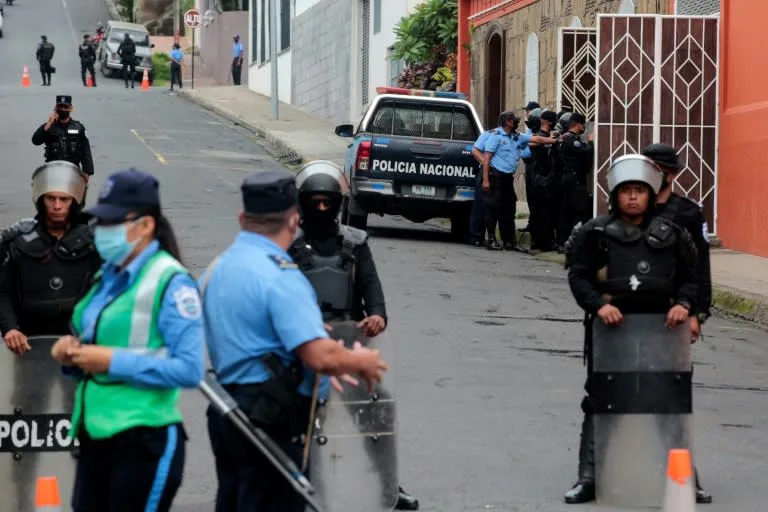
(679, 495)
(47, 497)
(25, 77)
(145, 80)
(89, 81)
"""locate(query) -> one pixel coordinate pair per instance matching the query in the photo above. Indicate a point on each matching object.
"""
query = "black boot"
(405, 501)
(702, 496)
(584, 490)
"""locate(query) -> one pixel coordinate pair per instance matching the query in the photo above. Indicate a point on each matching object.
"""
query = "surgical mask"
(63, 114)
(112, 243)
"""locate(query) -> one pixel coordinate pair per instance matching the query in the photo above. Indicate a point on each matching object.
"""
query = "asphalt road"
(488, 344)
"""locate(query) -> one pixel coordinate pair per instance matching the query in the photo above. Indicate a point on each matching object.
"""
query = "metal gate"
(657, 82)
(366, 50)
(577, 70)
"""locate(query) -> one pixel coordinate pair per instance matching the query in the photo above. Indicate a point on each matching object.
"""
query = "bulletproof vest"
(52, 274)
(129, 49)
(573, 160)
(640, 269)
(46, 51)
(541, 163)
(87, 52)
(332, 277)
(64, 142)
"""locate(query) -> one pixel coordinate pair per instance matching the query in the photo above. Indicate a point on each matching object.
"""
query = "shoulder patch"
(705, 231)
(188, 302)
(282, 262)
(577, 143)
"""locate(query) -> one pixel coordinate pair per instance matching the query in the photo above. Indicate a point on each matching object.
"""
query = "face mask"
(112, 243)
(63, 114)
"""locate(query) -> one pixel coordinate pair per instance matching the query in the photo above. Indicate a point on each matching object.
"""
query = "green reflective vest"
(128, 322)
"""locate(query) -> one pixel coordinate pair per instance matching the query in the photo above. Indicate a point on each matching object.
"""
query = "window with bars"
(366, 50)
(697, 7)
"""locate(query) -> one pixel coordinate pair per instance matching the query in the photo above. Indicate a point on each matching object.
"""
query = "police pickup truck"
(412, 156)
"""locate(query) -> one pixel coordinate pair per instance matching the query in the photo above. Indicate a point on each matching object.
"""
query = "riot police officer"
(44, 55)
(49, 261)
(541, 220)
(65, 138)
(576, 156)
(266, 340)
(127, 53)
(337, 261)
(87, 53)
(610, 276)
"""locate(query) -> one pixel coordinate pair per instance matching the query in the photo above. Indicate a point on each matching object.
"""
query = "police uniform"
(87, 58)
(65, 140)
(43, 276)
(44, 55)
(127, 53)
(477, 216)
(576, 157)
(643, 268)
(148, 312)
(259, 308)
(542, 221)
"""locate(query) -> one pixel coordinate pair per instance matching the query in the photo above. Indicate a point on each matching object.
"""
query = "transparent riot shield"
(353, 457)
(641, 391)
(36, 402)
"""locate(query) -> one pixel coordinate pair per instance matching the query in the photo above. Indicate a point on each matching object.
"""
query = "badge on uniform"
(283, 262)
(188, 302)
(705, 231)
(576, 144)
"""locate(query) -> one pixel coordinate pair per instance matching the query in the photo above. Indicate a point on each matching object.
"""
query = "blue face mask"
(112, 243)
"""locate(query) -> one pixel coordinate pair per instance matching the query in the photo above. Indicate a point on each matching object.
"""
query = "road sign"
(192, 18)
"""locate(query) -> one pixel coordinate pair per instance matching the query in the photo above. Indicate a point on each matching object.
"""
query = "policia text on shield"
(138, 339)
(254, 294)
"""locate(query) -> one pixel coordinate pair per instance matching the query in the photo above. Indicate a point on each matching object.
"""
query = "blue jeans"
(477, 216)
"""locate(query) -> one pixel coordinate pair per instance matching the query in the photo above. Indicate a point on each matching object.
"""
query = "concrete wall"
(216, 45)
(321, 55)
(260, 73)
(742, 178)
(543, 18)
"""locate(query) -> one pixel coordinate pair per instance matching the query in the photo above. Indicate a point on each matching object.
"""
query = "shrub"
(162, 64)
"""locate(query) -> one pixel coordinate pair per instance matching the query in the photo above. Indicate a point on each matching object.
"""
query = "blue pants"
(477, 217)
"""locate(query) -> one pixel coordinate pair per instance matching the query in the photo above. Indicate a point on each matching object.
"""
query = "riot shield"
(641, 391)
(36, 402)
(353, 457)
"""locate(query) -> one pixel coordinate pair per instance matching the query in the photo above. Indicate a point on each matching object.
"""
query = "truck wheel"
(460, 224)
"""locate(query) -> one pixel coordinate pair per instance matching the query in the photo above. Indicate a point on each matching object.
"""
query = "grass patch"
(162, 65)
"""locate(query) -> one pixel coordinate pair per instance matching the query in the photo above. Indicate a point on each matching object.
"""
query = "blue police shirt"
(257, 302)
(506, 150)
(526, 153)
(237, 50)
(482, 139)
(177, 55)
(179, 321)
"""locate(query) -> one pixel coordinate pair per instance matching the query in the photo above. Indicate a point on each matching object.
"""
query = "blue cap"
(269, 192)
(125, 192)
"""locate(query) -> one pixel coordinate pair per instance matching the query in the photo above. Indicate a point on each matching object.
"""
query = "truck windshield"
(431, 120)
(139, 38)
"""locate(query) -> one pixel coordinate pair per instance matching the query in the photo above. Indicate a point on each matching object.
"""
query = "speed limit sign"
(192, 18)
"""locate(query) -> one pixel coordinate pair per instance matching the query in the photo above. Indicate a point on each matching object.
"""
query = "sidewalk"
(740, 281)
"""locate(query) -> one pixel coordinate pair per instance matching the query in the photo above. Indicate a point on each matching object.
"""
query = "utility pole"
(273, 56)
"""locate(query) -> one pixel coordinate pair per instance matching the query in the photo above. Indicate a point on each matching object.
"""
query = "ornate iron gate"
(657, 82)
(576, 70)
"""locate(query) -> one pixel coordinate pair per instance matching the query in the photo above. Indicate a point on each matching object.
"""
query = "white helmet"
(634, 168)
(58, 176)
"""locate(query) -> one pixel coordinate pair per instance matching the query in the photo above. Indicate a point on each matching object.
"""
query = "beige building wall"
(542, 18)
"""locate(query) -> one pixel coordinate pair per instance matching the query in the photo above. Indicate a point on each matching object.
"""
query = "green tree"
(427, 41)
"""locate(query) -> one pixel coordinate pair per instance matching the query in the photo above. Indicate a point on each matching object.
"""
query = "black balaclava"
(316, 222)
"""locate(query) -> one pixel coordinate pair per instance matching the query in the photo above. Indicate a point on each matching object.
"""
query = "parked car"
(115, 33)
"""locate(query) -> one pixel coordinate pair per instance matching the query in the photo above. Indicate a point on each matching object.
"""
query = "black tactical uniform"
(44, 277)
(576, 206)
(87, 59)
(542, 214)
(44, 55)
(66, 140)
(127, 53)
(337, 261)
(643, 268)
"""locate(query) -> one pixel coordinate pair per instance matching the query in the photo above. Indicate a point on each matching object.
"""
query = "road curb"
(281, 151)
(114, 13)
(726, 300)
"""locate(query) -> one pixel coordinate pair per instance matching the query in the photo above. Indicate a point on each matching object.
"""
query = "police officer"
(477, 216)
(686, 213)
(541, 220)
(87, 58)
(127, 53)
(501, 158)
(238, 52)
(49, 261)
(603, 257)
(65, 138)
(266, 338)
(324, 247)
(44, 55)
(576, 157)
(532, 110)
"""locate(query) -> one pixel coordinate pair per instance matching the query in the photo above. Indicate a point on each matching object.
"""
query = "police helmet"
(321, 176)
(664, 155)
(532, 120)
(58, 176)
(634, 168)
(562, 123)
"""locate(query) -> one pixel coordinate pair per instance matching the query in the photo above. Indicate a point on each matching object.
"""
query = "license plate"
(423, 190)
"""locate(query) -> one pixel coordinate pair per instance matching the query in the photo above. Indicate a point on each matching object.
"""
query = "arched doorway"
(494, 85)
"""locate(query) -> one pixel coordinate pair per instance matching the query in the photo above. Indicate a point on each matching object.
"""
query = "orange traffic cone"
(25, 77)
(145, 80)
(679, 495)
(47, 497)
(89, 81)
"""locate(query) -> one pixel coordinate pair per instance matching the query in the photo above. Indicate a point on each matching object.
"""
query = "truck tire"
(460, 224)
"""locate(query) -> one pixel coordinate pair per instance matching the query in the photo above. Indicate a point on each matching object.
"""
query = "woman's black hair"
(163, 232)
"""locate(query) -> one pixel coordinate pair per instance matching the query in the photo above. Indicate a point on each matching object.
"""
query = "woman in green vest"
(138, 340)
